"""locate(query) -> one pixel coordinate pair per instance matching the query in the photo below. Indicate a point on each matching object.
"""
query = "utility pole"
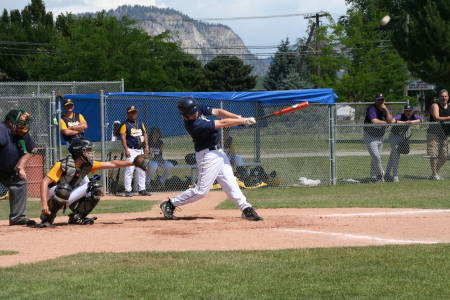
(317, 16)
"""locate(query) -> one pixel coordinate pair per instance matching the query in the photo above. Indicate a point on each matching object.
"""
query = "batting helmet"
(80, 147)
(187, 106)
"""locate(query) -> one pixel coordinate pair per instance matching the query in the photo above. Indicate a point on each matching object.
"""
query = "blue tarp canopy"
(154, 111)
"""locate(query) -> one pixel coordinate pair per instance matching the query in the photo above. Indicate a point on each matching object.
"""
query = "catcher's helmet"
(187, 106)
(82, 148)
(20, 120)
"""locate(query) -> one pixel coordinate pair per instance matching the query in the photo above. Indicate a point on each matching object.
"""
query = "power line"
(23, 43)
(257, 17)
(223, 19)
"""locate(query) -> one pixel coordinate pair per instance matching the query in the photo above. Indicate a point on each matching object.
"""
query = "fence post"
(332, 130)
(257, 133)
(54, 126)
(102, 134)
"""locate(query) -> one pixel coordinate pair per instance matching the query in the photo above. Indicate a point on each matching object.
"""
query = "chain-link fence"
(40, 89)
(40, 132)
(318, 145)
(276, 152)
(400, 161)
(38, 99)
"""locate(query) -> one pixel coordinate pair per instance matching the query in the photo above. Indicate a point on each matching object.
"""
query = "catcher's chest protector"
(71, 174)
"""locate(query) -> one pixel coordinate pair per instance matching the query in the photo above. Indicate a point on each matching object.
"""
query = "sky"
(262, 27)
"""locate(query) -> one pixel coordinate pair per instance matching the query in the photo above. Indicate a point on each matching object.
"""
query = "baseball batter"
(212, 162)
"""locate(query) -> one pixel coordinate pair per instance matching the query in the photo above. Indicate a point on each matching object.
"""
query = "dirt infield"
(202, 228)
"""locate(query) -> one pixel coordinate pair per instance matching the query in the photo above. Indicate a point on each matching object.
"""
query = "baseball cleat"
(144, 193)
(167, 209)
(46, 224)
(76, 219)
(250, 214)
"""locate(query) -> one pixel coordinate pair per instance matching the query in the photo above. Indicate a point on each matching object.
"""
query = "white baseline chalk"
(360, 237)
(428, 211)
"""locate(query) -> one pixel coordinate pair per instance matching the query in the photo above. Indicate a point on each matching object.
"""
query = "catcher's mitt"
(142, 161)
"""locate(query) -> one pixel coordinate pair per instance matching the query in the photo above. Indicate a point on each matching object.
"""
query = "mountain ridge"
(203, 40)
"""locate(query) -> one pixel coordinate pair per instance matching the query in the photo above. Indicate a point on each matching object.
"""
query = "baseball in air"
(385, 20)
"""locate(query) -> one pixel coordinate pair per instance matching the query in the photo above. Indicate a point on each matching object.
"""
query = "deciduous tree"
(103, 48)
(23, 33)
(425, 42)
(364, 60)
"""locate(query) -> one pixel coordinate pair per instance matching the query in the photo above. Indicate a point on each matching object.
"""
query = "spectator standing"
(229, 148)
(156, 149)
(16, 146)
(377, 113)
(437, 134)
(397, 134)
(134, 142)
(73, 124)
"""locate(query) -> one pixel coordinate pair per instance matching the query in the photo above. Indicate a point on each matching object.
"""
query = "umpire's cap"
(187, 106)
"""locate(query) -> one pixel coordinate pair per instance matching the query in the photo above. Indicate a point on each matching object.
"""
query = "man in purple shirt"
(397, 134)
(376, 113)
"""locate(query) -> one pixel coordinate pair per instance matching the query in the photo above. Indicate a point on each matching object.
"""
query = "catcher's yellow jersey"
(56, 172)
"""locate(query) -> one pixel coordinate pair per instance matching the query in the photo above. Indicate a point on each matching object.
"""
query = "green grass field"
(376, 272)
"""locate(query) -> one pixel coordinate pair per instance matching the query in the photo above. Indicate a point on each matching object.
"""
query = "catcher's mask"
(20, 121)
(187, 107)
(82, 148)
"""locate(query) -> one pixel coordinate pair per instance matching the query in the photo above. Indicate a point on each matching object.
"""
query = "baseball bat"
(111, 177)
(286, 110)
(117, 177)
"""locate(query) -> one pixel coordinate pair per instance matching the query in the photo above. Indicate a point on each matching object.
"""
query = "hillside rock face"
(203, 40)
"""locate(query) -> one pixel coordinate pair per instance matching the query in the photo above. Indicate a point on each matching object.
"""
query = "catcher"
(67, 184)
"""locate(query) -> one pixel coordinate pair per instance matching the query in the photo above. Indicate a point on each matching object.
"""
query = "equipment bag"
(403, 146)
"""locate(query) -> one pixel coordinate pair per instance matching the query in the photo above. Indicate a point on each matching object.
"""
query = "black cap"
(408, 107)
(68, 102)
(131, 108)
(380, 96)
(12, 115)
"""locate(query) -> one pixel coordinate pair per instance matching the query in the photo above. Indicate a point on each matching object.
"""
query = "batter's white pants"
(129, 171)
(212, 165)
(77, 193)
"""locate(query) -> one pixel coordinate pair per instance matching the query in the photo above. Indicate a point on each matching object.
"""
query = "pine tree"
(280, 66)
(229, 73)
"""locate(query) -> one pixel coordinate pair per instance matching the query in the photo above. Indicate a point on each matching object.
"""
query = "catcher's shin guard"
(55, 203)
(82, 207)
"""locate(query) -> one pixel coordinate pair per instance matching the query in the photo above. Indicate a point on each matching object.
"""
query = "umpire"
(15, 150)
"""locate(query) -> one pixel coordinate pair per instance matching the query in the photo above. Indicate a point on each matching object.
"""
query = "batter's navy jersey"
(202, 131)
